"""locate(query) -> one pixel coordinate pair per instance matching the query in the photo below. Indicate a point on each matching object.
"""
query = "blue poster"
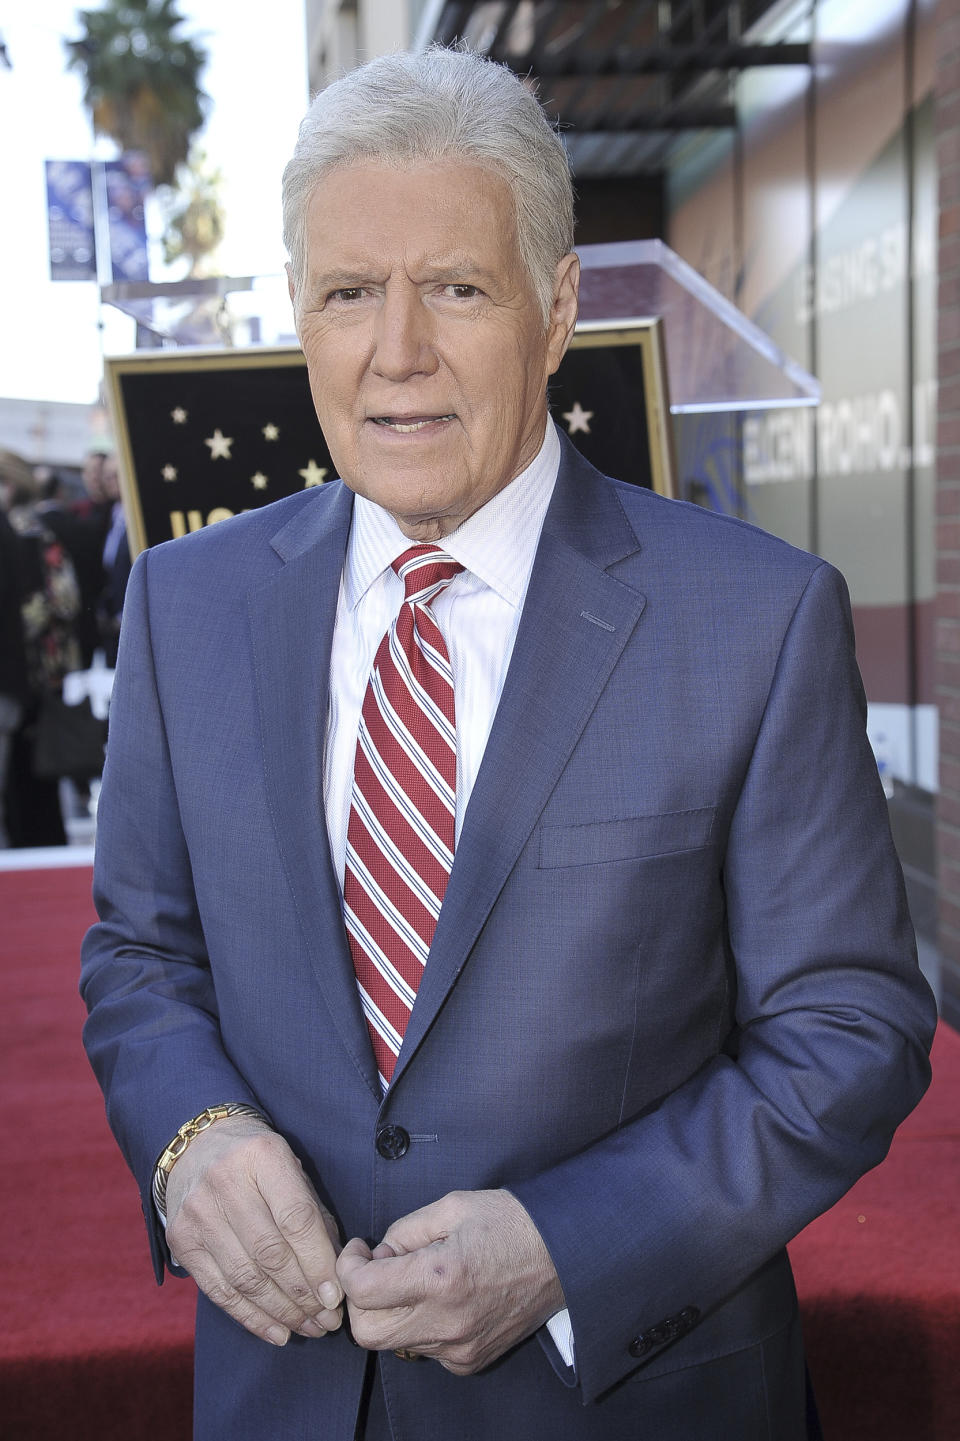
(128, 184)
(73, 253)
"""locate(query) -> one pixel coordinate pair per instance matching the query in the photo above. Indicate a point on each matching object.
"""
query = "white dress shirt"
(478, 613)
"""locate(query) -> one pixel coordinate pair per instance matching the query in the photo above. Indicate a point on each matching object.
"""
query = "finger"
(423, 1227)
(371, 1326)
(306, 1226)
(361, 1276)
(384, 1330)
(388, 1283)
(286, 1235)
(226, 1266)
(355, 1255)
(219, 1286)
(244, 1310)
(262, 1308)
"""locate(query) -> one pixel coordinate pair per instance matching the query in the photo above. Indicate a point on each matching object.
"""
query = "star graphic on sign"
(219, 445)
(169, 472)
(179, 416)
(270, 431)
(259, 481)
(314, 474)
(578, 419)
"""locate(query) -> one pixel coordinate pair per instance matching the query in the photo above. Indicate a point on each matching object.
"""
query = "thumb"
(421, 1228)
(371, 1279)
(353, 1259)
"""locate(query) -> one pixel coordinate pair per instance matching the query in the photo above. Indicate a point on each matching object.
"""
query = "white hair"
(416, 108)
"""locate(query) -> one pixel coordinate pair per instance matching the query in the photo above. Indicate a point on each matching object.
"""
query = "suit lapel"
(291, 624)
(576, 620)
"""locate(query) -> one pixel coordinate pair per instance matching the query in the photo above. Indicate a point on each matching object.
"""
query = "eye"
(347, 294)
(462, 292)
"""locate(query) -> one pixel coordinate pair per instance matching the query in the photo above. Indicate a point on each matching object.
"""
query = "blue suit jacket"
(672, 1002)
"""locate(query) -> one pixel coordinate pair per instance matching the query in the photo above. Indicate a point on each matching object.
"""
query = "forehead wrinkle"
(455, 265)
(454, 213)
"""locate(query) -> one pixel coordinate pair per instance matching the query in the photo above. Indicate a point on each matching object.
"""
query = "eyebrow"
(451, 268)
(457, 265)
(337, 279)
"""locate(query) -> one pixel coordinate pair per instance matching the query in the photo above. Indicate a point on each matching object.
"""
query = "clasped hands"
(460, 1280)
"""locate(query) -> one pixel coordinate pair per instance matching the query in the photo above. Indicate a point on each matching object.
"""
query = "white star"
(179, 416)
(259, 481)
(219, 445)
(314, 474)
(578, 419)
(270, 431)
(169, 472)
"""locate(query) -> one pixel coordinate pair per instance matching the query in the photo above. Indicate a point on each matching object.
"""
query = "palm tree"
(141, 83)
(194, 215)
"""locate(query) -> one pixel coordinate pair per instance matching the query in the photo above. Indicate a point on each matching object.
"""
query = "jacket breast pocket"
(634, 838)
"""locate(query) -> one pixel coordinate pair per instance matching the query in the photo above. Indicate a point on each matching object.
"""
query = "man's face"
(426, 349)
(110, 478)
(93, 474)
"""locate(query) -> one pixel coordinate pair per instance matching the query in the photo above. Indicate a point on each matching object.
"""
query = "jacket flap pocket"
(630, 839)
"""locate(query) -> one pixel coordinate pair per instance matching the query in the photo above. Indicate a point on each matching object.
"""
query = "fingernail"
(312, 1327)
(278, 1335)
(330, 1295)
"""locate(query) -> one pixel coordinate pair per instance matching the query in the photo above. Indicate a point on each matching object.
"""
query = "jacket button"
(392, 1142)
(639, 1346)
(689, 1316)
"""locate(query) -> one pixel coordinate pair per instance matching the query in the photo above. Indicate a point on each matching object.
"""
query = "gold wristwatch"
(188, 1132)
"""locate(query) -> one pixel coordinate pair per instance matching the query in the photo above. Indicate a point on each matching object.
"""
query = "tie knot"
(425, 570)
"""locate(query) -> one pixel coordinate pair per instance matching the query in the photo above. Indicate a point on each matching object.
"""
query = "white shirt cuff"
(561, 1334)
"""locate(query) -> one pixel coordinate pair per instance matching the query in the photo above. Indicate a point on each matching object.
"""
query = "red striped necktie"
(400, 835)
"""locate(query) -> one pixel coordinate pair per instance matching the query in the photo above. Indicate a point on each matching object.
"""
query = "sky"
(256, 78)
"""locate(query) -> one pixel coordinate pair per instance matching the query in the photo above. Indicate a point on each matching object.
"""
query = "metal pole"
(101, 243)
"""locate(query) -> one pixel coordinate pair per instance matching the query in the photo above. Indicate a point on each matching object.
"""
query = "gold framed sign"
(203, 434)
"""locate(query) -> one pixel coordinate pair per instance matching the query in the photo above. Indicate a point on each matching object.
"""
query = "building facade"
(803, 155)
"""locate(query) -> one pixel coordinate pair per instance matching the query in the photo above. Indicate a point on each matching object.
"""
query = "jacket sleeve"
(663, 1220)
(152, 1034)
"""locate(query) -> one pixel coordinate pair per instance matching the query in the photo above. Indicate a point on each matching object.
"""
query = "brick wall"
(948, 500)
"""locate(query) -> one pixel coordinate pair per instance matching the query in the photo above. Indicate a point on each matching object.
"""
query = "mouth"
(409, 424)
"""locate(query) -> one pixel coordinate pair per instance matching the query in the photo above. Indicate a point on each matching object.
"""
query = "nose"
(403, 335)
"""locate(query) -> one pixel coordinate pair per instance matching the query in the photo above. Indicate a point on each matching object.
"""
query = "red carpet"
(91, 1350)
(879, 1282)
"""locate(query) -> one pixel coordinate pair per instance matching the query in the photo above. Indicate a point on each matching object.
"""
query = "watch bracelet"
(188, 1132)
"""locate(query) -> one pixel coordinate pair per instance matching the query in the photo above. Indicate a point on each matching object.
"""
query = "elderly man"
(502, 952)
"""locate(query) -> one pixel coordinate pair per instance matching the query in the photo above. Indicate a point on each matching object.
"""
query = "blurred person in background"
(93, 517)
(92, 474)
(115, 562)
(14, 690)
(79, 528)
(79, 524)
(49, 604)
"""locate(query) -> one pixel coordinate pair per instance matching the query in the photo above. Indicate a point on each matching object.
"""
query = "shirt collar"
(497, 543)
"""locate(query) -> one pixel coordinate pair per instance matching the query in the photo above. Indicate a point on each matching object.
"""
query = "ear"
(563, 313)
